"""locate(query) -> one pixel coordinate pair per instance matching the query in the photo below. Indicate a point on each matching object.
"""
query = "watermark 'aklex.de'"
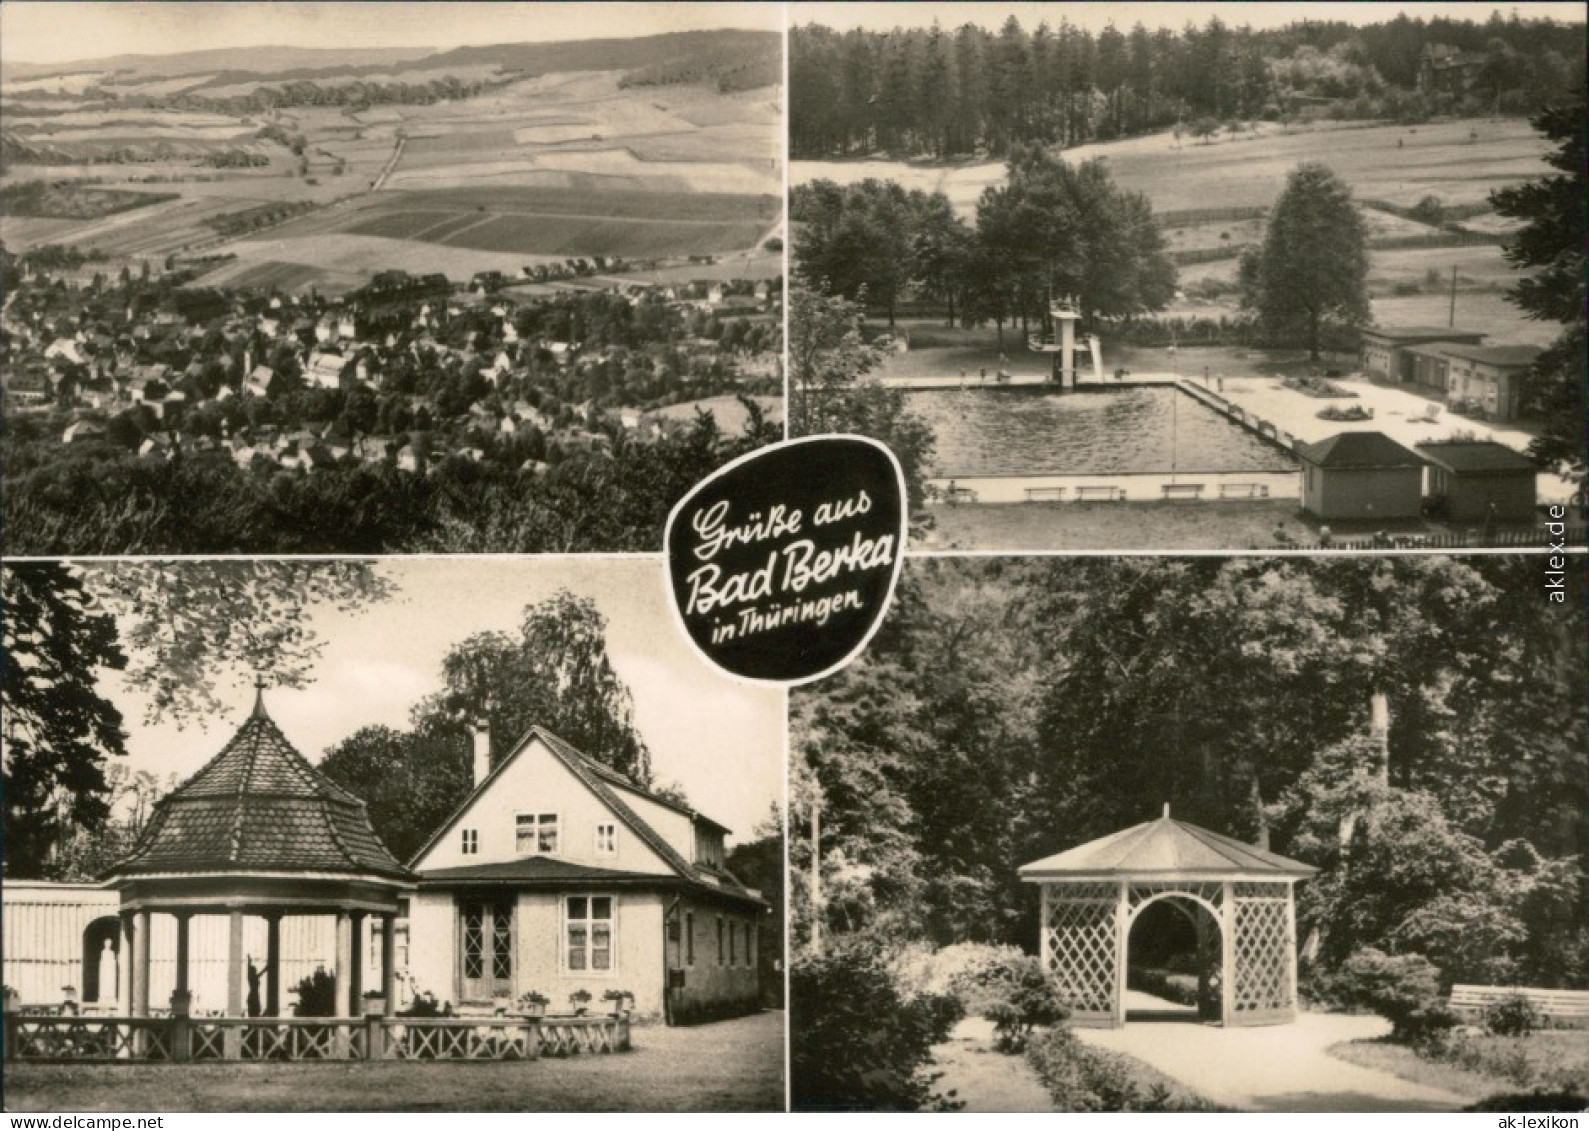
(1556, 564)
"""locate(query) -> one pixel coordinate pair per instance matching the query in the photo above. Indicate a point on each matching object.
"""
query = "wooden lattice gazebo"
(1239, 898)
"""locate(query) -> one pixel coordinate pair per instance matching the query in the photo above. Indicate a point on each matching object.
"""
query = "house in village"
(558, 874)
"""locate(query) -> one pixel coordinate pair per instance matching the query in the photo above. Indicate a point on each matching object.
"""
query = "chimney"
(482, 749)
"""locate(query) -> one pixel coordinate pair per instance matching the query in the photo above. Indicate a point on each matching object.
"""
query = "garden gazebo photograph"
(1238, 899)
(303, 834)
(1197, 834)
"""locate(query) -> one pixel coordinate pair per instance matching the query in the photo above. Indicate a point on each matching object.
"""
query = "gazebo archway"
(1201, 943)
(1092, 895)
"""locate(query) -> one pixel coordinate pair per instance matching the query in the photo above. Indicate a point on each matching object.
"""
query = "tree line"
(941, 93)
(1052, 228)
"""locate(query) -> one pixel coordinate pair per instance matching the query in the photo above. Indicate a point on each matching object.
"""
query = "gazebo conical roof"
(259, 807)
(1166, 849)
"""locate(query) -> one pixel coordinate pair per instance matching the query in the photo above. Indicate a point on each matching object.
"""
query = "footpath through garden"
(1270, 1067)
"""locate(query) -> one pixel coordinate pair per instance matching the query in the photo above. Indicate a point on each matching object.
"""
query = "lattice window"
(502, 942)
(474, 941)
(1263, 961)
(1211, 893)
(1080, 934)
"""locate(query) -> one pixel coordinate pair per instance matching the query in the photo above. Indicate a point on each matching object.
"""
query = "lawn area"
(728, 1066)
(1477, 1065)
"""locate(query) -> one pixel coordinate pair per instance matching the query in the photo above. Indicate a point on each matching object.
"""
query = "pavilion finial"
(259, 694)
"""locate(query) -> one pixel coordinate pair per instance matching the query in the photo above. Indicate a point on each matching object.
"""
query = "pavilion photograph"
(267, 817)
(1197, 834)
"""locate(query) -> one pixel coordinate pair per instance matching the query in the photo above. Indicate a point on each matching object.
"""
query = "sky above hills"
(50, 32)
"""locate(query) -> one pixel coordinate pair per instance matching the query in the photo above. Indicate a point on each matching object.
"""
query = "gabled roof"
(259, 806)
(1476, 456)
(600, 780)
(1359, 450)
(1502, 356)
(1166, 848)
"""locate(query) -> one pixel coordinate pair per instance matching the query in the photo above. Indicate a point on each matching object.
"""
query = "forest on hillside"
(946, 92)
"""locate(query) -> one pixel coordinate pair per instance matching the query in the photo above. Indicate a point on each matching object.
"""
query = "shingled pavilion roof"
(259, 807)
(1165, 848)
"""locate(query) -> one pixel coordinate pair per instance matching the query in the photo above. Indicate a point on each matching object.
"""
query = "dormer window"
(536, 834)
(471, 842)
(606, 839)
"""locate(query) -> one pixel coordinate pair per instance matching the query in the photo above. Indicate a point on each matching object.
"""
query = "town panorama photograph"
(383, 278)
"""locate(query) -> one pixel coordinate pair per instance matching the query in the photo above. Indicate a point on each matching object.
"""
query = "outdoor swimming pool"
(1036, 431)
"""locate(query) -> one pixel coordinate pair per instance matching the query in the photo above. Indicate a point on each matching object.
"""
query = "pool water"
(1036, 431)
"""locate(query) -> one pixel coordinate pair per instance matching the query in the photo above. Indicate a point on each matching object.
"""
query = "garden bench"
(1182, 490)
(1555, 1006)
(960, 495)
(1107, 494)
(1243, 490)
(1044, 494)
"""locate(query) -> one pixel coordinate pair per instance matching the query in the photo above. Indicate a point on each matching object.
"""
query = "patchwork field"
(544, 167)
(1458, 161)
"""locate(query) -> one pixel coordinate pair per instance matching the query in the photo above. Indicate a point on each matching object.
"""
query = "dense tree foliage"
(58, 729)
(1010, 710)
(101, 499)
(1311, 269)
(931, 91)
(1551, 248)
(829, 392)
(1051, 229)
(553, 672)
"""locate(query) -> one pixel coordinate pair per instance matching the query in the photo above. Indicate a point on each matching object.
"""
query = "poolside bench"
(1182, 490)
(1044, 494)
(1555, 1006)
(960, 495)
(1107, 494)
(1243, 490)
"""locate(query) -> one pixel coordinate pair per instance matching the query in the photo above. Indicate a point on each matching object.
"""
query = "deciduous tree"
(1312, 267)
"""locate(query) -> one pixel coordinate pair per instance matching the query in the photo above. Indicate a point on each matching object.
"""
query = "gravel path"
(1271, 1067)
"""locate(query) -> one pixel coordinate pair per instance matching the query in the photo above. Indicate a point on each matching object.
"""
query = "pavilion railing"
(39, 1037)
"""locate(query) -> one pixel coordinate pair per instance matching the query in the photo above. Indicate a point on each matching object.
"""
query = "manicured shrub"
(1028, 999)
(1404, 989)
(858, 1042)
(1512, 1016)
(317, 994)
(1080, 1078)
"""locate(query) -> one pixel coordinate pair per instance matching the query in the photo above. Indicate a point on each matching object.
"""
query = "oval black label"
(782, 563)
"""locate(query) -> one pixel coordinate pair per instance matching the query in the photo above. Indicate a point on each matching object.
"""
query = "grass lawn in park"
(727, 1066)
(1479, 1064)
